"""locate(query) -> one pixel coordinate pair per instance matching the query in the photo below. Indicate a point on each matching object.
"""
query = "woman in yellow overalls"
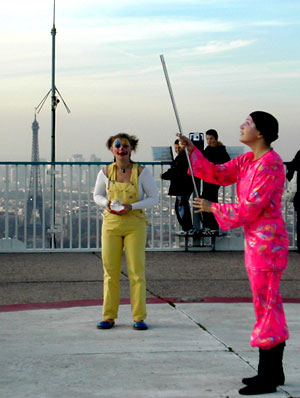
(124, 188)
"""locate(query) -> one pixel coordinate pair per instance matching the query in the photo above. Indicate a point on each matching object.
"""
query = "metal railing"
(26, 205)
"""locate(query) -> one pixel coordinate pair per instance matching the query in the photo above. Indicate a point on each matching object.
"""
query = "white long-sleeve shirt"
(148, 193)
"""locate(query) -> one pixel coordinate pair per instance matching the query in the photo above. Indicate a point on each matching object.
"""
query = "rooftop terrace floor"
(185, 276)
(199, 315)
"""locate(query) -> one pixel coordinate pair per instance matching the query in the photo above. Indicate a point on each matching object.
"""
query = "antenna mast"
(54, 102)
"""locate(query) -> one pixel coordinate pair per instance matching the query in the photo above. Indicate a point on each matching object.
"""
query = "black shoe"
(280, 379)
(258, 388)
(206, 232)
(190, 232)
(270, 372)
(249, 380)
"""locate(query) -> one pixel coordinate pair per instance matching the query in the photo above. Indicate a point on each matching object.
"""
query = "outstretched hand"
(186, 142)
(202, 205)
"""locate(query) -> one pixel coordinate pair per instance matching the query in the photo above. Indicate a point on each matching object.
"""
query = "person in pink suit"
(260, 178)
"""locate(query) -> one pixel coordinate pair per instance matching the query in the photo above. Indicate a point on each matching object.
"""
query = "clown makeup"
(121, 147)
(121, 142)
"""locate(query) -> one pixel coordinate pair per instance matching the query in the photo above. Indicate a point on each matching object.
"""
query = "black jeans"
(298, 229)
(210, 192)
(183, 212)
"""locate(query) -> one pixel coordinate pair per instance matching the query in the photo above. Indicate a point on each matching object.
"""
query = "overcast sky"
(225, 58)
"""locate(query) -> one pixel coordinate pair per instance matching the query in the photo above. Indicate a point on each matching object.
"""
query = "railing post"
(43, 182)
(71, 205)
(16, 203)
(6, 228)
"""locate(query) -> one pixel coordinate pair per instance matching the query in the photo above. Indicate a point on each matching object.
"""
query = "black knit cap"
(212, 132)
(266, 124)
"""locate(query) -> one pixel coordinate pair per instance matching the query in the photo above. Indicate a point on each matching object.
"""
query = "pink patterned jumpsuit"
(260, 185)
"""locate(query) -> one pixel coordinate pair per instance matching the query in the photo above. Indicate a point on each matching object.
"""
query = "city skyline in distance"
(224, 61)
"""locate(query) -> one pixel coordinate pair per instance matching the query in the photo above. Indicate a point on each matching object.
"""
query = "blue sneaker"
(106, 324)
(140, 325)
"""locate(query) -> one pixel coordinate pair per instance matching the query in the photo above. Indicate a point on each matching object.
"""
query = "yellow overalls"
(129, 232)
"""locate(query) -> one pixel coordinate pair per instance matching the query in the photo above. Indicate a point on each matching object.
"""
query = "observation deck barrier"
(27, 205)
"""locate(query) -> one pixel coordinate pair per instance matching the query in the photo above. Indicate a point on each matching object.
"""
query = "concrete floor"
(195, 345)
(190, 350)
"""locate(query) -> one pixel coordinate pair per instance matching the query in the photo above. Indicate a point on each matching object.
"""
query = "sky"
(225, 59)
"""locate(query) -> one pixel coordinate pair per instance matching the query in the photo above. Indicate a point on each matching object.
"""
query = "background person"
(260, 179)
(132, 185)
(182, 187)
(216, 153)
(293, 166)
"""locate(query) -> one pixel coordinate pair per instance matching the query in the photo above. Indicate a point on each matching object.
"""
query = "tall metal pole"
(54, 103)
(178, 120)
(53, 90)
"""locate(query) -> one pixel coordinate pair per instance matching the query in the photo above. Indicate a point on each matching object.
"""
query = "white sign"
(162, 153)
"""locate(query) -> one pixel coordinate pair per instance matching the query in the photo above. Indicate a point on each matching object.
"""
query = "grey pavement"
(52, 277)
(193, 348)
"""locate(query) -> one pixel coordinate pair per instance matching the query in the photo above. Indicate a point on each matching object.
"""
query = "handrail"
(25, 205)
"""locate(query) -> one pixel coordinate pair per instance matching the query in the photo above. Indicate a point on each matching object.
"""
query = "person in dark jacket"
(216, 153)
(293, 166)
(181, 186)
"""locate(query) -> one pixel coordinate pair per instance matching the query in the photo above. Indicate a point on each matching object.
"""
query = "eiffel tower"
(35, 197)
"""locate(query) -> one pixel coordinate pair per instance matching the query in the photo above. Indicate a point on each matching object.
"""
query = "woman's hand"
(186, 142)
(108, 206)
(127, 208)
(203, 205)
